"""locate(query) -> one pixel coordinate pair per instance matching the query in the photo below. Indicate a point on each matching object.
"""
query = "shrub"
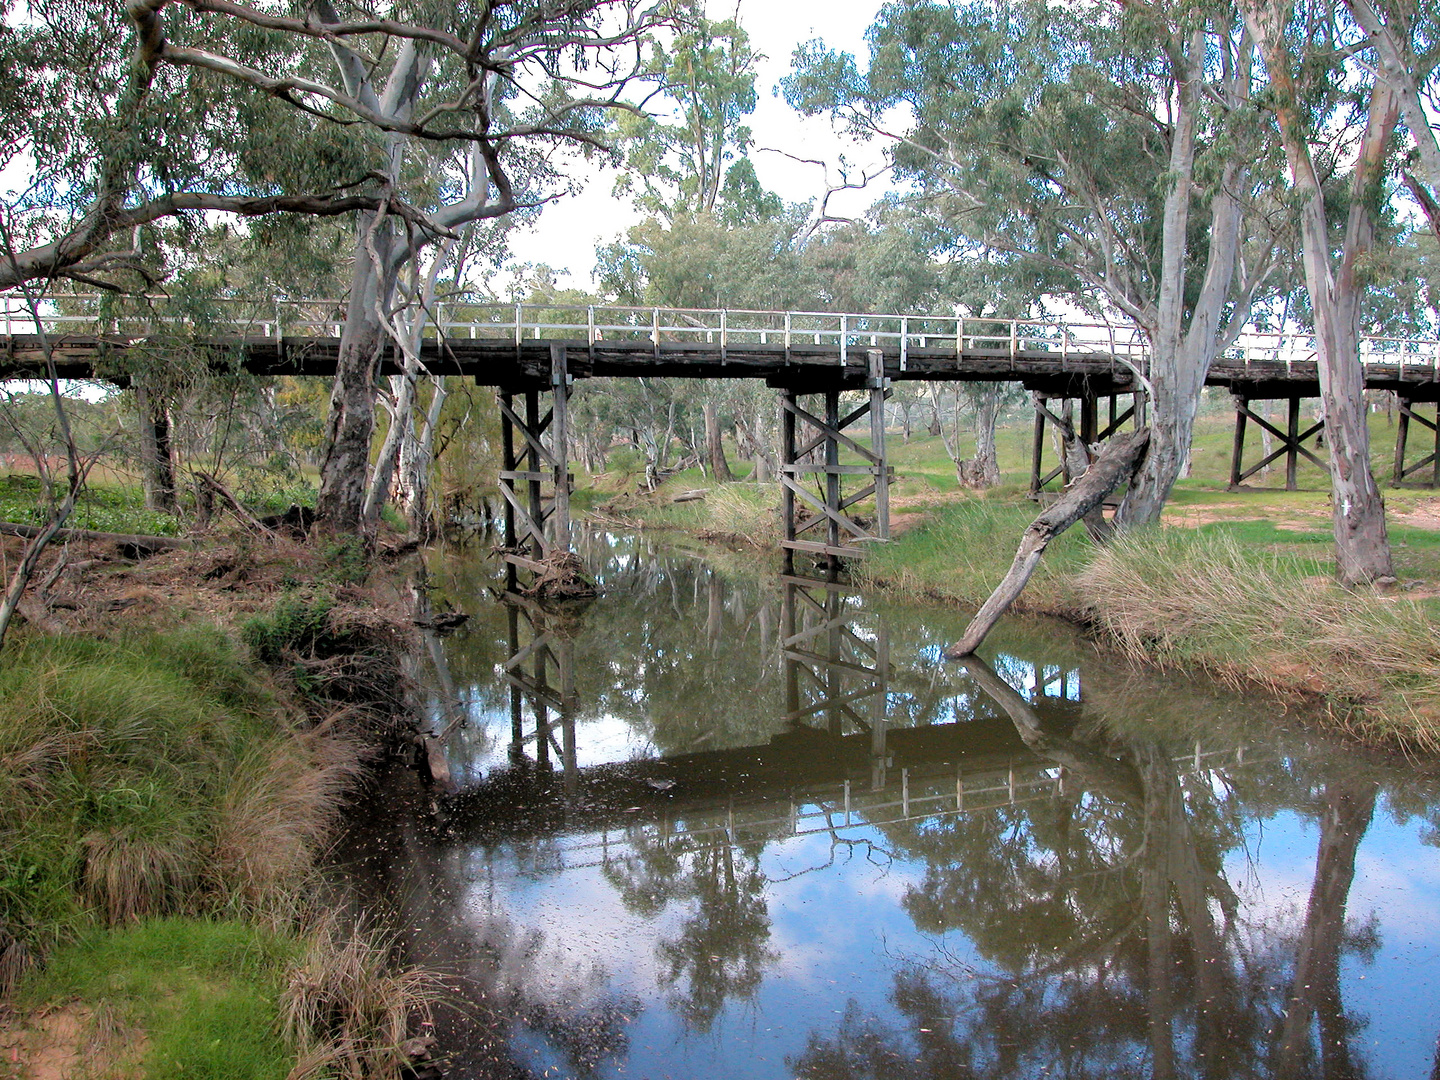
(296, 624)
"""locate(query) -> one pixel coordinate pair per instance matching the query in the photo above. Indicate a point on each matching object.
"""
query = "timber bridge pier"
(533, 356)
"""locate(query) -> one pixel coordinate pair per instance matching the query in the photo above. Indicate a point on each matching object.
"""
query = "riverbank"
(179, 743)
(1245, 601)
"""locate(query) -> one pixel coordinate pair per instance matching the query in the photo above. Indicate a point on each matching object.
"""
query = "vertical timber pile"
(1291, 446)
(537, 525)
(803, 510)
(1402, 436)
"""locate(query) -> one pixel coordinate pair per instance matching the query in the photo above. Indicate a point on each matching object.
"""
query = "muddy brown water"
(717, 824)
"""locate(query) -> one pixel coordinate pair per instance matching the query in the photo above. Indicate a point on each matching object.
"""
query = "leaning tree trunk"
(351, 423)
(1115, 465)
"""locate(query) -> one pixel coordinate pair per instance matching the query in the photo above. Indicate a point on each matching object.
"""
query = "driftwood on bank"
(224, 494)
(135, 541)
(1114, 466)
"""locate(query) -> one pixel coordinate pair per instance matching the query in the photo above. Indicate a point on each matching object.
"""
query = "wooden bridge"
(533, 355)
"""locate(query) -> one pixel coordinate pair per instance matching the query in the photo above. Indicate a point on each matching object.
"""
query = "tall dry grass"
(349, 1009)
(1255, 617)
(278, 815)
(744, 512)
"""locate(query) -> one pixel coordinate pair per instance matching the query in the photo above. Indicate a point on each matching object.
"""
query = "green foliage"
(296, 623)
(625, 460)
(698, 165)
(347, 561)
(202, 992)
(100, 507)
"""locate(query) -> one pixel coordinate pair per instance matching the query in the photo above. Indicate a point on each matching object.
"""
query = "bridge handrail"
(596, 324)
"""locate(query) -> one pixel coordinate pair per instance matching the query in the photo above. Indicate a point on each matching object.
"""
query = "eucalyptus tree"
(690, 158)
(417, 119)
(685, 159)
(701, 261)
(1321, 65)
(1108, 151)
(1405, 36)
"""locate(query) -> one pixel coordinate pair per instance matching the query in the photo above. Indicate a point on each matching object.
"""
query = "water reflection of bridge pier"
(850, 675)
(540, 673)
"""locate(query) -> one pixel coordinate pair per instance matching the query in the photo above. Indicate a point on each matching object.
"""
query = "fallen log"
(213, 485)
(1115, 465)
(135, 541)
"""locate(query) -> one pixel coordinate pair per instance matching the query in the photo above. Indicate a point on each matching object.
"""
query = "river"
(716, 824)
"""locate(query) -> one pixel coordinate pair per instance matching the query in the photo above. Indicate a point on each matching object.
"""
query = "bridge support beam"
(535, 479)
(1402, 435)
(820, 522)
(540, 673)
(1291, 447)
(1090, 431)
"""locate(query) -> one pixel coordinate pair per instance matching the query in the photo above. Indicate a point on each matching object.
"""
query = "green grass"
(963, 550)
(118, 761)
(203, 993)
(101, 507)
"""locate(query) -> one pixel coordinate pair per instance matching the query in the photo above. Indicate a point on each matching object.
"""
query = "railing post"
(590, 325)
(904, 341)
(787, 334)
(519, 326)
(844, 324)
(655, 328)
(959, 340)
(724, 333)
(1014, 343)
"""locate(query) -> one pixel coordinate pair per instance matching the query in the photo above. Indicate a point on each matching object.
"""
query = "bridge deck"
(496, 362)
(509, 346)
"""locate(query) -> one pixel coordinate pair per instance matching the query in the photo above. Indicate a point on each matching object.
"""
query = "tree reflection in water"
(1094, 931)
(721, 951)
(1115, 930)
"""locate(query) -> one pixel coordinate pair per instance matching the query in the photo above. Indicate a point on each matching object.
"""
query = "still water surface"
(714, 824)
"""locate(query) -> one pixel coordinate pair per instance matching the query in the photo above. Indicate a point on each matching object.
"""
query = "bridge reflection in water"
(713, 826)
(833, 758)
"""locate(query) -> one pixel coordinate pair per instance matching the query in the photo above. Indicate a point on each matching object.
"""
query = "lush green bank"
(165, 806)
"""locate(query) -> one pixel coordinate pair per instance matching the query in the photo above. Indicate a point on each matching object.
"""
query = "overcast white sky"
(568, 231)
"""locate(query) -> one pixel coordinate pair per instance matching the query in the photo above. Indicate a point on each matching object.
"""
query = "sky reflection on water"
(1072, 869)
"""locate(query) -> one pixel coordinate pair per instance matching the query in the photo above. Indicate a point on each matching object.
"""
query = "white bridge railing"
(77, 314)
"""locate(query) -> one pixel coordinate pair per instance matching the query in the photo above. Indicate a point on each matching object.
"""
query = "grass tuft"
(348, 1010)
(278, 813)
(1177, 596)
